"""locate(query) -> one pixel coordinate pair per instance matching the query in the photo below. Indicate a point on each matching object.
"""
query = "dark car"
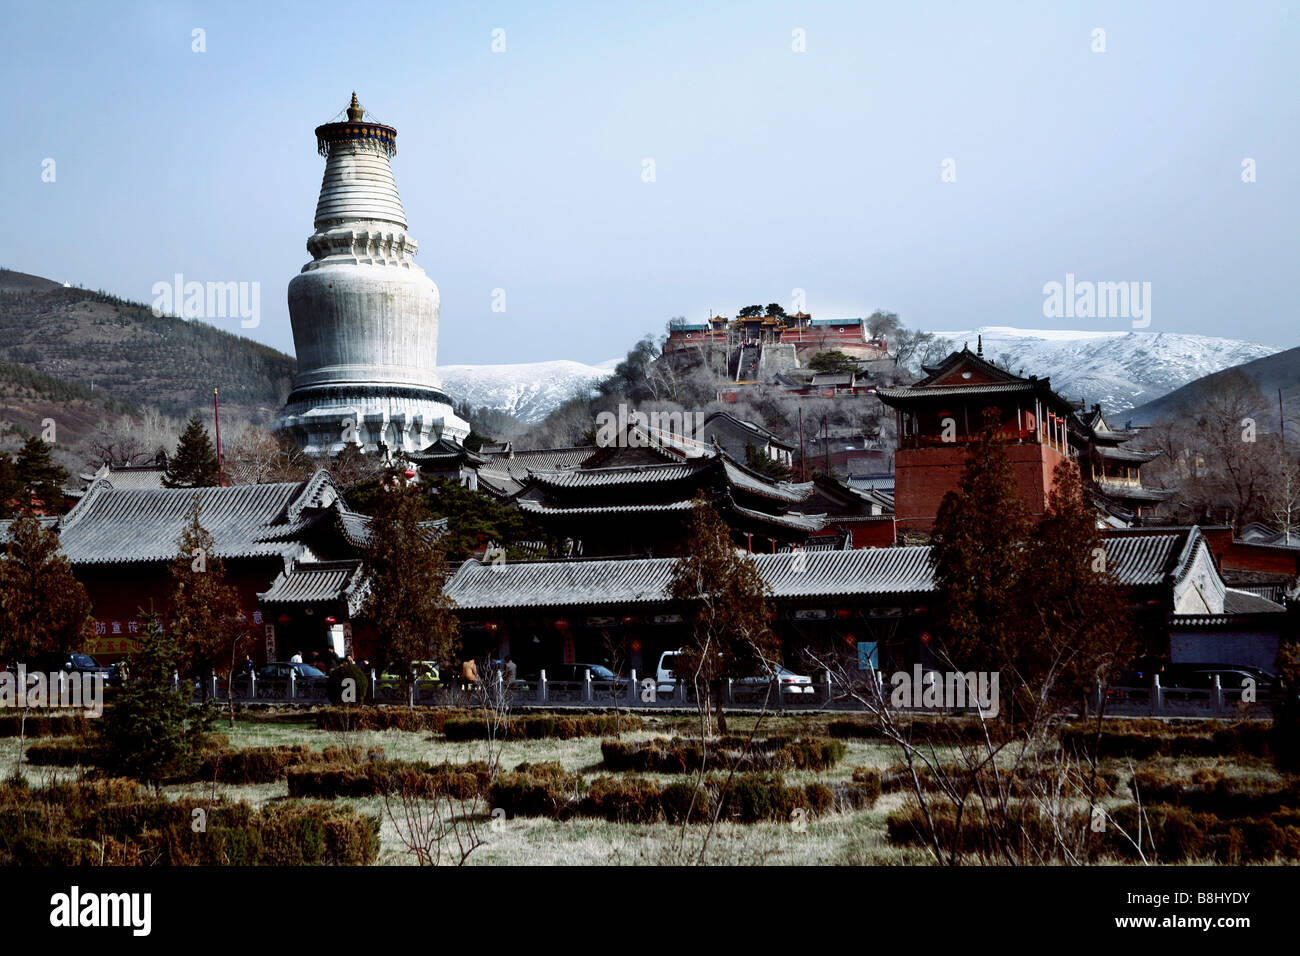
(1233, 678)
(600, 674)
(279, 670)
(71, 661)
(1189, 681)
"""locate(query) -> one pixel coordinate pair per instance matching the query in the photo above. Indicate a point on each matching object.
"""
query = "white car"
(788, 680)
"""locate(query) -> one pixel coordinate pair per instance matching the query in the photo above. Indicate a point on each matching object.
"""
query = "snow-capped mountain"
(1118, 369)
(528, 391)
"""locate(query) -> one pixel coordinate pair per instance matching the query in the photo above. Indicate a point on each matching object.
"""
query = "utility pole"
(1281, 424)
(216, 414)
(803, 462)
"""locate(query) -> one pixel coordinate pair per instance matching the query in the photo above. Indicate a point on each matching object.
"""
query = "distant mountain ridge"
(105, 346)
(121, 350)
(1119, 370)
(529, 391)
(1273, 373)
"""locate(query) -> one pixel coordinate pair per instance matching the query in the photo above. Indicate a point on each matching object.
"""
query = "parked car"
(789, 682)
(1232, 678)
(1175, 678)
(73, 662)
(279, 670)
(600, 674)
(786, 679)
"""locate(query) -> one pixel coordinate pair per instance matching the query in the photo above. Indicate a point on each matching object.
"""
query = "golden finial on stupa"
(355, 111)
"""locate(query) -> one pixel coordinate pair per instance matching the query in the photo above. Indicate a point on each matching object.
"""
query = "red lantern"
(850, 640)
(492, 626)
(629, 620)
(410, 473)
(331, 619)
(283, 619)
(561, 625)
(843, 613)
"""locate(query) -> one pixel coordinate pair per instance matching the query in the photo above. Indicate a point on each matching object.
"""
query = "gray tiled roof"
(542, 459)
(829, 379)
(541, 508)
(1116, 489)
(111, 525)
(309, 583)
(956, 391)
(780, 490)
(1126, 454)
(748, 427)
(356, 527)
(499, 482)
(799, 522)
(1244, 602)
(625, 475)
(1142, 560)
(132, 476)
(1132, 559)
(807, 574)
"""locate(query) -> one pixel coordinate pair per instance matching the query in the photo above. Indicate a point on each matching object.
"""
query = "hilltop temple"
(365, 316)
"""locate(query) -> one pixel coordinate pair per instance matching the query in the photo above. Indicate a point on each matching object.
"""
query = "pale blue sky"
(775, 170)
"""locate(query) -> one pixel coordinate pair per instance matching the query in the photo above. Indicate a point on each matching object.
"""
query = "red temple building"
(943, 413)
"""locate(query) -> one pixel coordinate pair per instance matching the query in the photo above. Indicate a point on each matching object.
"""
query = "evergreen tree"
(832, 361)
(1036, 604)
(153, 733)
(1081, 629)
(979, 554)
(764, 465)
(405, 573)
(195, 463)
(43, 607)
(11, 489)
(475, 519)
(730, 634)
(208, 627)
(40, 477)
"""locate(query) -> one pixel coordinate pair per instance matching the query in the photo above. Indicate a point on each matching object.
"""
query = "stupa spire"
(364, 314)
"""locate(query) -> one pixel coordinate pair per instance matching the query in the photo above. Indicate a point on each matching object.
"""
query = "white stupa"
(365, 316)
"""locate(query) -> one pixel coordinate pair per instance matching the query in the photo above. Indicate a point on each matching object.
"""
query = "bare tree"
(1282, 499)
(434, 827)
(257, 457)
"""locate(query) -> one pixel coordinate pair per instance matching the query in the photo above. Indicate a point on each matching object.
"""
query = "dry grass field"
(839, 836)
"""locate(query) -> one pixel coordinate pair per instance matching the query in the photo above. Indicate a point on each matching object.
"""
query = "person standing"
(469, 673)
(512, 671)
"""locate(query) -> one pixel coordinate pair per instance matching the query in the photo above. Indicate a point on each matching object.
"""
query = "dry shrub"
(542, 726)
